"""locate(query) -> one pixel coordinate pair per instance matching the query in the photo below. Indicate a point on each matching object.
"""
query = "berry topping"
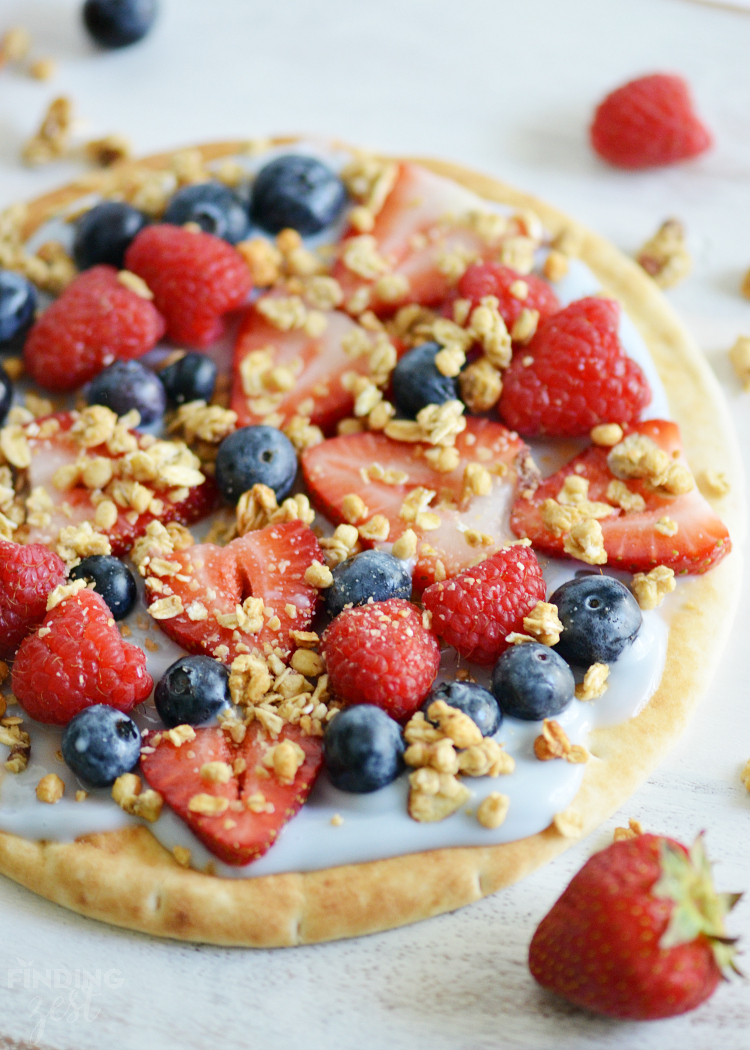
(363, 748)
(473, 700)
(573, 375)
(104, 233)
(196, 278)
(76, 457)
(113, 580)
(236, 815)
(490, 278)
(413, 253)
(600, 619)
(125, 385)
(259, 455)
(298, 373)
(417, 381)
(117, 23)
(18, 302)
(96, 320)
(191, 378)
(648, 122)
(227, 600)
(213, 206)
(381, 654)
(100, 744)
(475, 610)
(532, 682)
(638, 934)
(372, 576)
(297, 192)
(76, 659)
(450, 530)
(6, 394)
(192, 692)
(28, 572)
(648, 525)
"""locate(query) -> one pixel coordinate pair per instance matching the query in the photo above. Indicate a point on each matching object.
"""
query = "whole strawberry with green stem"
(639, 932)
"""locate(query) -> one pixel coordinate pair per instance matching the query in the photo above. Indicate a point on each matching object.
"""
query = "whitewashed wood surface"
(507, 87)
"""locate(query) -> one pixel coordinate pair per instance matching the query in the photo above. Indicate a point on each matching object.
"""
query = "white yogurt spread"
(375, 825)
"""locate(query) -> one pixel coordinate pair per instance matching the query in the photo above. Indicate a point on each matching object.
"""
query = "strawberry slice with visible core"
(339, 466)
(238, 834)
(317, 364)
(213, 582)
(413, 231)
(53, 445)
(630, 538)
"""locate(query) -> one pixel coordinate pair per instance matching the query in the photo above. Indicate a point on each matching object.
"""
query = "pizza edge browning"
(126, 878)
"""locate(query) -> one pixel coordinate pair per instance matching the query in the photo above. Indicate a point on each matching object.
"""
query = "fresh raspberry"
(573, 374)
(648, 122)
(96, 321)
(493, 279)
(382, 654)
(476, 610)
(195, 277)
(27, 575)
(77, 658)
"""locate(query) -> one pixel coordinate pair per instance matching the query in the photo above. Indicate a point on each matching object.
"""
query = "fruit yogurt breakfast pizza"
(458, 570)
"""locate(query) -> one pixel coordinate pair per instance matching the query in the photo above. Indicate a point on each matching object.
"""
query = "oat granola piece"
(434, 796)
(493, 810)
(594, 682)
(52, 140)
(665, 256)
(650, 589)
(585, 541)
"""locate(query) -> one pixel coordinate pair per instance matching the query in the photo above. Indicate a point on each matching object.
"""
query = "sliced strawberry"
(416, 227)
(339, 466)
(268, 564)
(239, 834)
(53, 445)
(318, 364)
(630, 539)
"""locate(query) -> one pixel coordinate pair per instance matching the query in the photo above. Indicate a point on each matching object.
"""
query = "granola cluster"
(442, 746)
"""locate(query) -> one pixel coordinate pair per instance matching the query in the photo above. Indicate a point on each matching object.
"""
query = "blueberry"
(600, 618)
(6, 394)
(103, 234)
(192, 692)
(371, 574)
(363, 749)
(17, 307)
(113, 580)
(213, 206)
(129, 384)
(255, 456)
(100, 744)
(192, 378)
(299, 192)
(117, 23)
(532, 682)
(417, 381)
(475, 701)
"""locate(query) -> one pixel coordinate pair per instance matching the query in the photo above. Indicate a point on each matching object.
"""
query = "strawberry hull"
(238, 835)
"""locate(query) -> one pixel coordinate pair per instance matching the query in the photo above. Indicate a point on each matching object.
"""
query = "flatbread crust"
(128, 879)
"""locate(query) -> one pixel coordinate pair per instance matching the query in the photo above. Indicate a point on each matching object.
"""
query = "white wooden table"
(509, 88)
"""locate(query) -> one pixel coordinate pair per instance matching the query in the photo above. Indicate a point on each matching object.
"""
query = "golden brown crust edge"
(128, 879)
